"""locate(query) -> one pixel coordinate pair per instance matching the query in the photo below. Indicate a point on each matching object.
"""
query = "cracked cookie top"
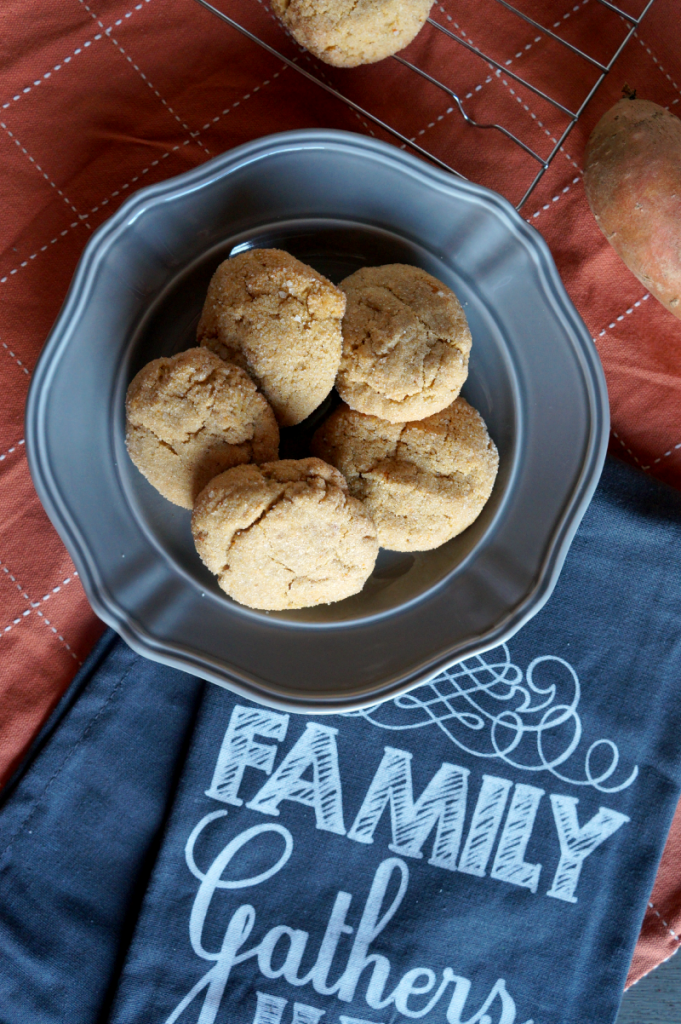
(423, 482)
(284, 535)
(191, 416)
(280, 321)
(347, 33)
(406, 343)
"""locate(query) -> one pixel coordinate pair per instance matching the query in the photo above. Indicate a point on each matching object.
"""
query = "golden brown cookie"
(284, 535)
(423, 482)
(191, 416)
(406, 343)
(351, 32)
(281, 321)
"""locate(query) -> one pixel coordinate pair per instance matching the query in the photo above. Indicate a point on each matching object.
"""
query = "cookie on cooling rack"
(191, 416)
(284, 535)
(280, 321)
(406, 343)
(347, 33)
(423, 482)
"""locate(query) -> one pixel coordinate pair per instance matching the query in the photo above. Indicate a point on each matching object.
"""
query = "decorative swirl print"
(489, 708)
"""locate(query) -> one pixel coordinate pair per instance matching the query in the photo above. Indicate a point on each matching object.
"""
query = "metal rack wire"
(630, 21)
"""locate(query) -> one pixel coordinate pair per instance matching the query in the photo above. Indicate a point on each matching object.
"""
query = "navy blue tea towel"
(479, 851)
(79, 831)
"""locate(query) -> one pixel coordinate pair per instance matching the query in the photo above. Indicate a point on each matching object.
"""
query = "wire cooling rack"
(628, 21)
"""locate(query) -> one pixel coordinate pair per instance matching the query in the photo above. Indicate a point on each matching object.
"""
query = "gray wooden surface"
(656, 999)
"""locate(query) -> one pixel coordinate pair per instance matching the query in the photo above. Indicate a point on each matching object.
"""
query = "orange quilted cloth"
(100, 98)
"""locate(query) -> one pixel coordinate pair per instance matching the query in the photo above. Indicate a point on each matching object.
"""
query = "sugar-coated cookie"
(191, 416)
(351, 32)
(423, 482)
(281, 322)
(284, 535)
(406, 343)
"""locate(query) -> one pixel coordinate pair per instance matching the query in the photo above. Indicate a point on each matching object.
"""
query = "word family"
(442, 806)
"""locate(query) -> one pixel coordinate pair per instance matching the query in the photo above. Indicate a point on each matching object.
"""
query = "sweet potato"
(633, 184)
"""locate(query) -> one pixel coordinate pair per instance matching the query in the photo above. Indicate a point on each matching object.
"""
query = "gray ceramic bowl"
(337, 201)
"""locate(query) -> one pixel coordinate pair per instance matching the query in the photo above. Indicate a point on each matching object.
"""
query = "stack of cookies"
(403, 463)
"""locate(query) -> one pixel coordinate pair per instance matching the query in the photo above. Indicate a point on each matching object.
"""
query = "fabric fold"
(78, 832)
